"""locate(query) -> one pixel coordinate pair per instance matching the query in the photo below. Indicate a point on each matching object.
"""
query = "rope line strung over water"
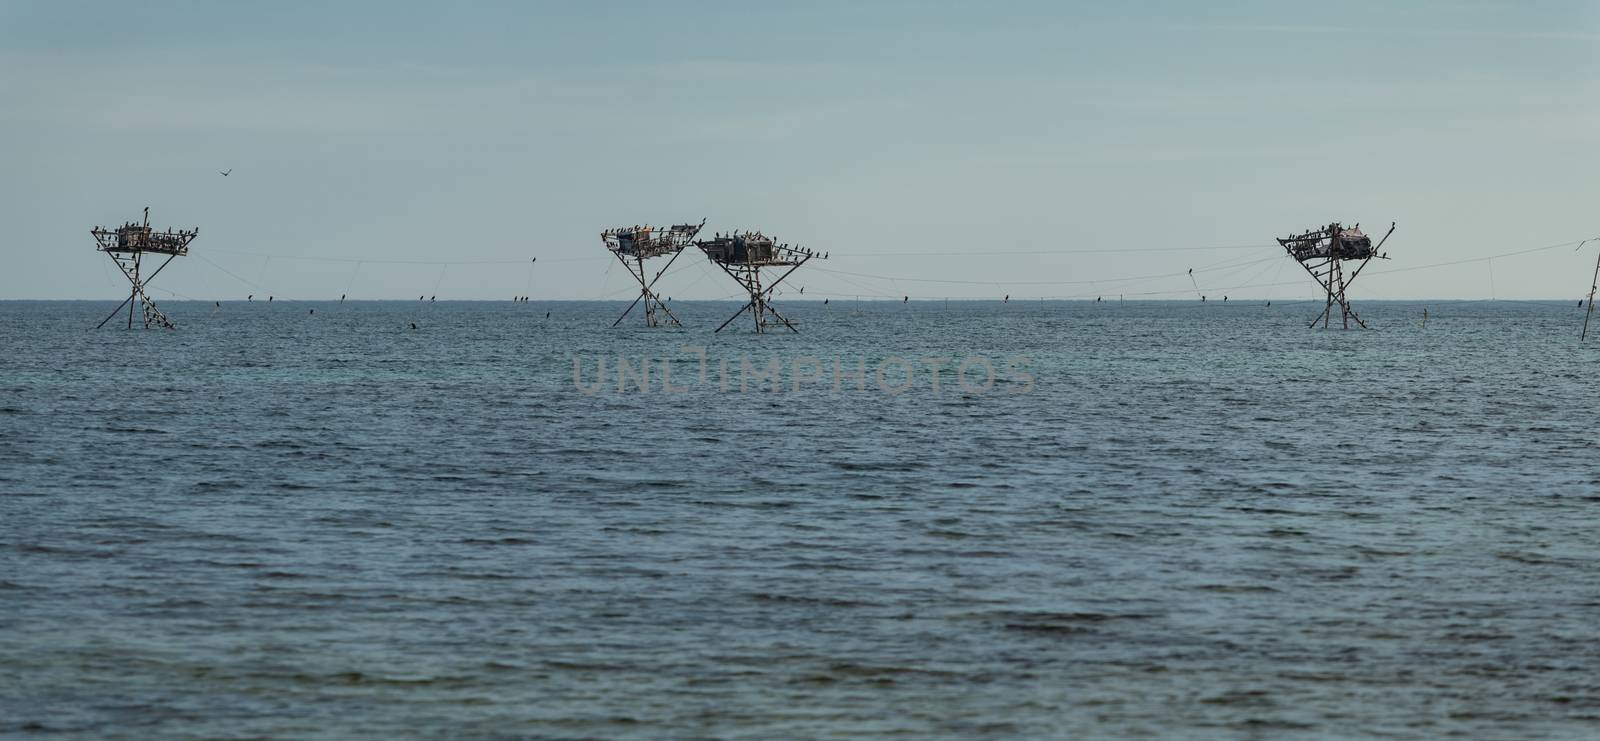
(350, 286)
(632, 289)
(1000, 283)
(1226, 266)
(259, 285)
(1485, 258)
(379, 261)
(857, 255)
(236, 276)
(1233, 274)
(246, 281)
(1085, 251)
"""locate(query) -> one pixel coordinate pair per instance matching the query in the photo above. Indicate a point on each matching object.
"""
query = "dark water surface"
(1196, 520)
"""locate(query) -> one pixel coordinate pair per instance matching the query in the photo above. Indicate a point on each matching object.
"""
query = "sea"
(974, 519)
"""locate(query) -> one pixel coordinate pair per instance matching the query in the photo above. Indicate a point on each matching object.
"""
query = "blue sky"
(1030, 148)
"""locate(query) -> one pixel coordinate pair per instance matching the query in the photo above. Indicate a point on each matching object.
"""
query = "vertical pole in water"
(644, 294)
(761, 299)
(1338, 248)
(1592, 284)
(134, 296)
(1344, 303)
(1327, 308)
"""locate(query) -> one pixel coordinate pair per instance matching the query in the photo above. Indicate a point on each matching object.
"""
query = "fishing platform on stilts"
(635, 245)
(127, 245)
(742, 256)
(1323, 253)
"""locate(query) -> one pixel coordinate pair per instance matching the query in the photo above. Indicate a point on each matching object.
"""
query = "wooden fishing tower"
(1324, 252)
(742, 256)
(633, 246)
(127, 245)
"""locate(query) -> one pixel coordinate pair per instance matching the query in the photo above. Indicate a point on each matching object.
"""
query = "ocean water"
(1159, 519)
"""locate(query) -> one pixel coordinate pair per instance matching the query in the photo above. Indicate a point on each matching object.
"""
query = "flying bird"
(226, 172)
